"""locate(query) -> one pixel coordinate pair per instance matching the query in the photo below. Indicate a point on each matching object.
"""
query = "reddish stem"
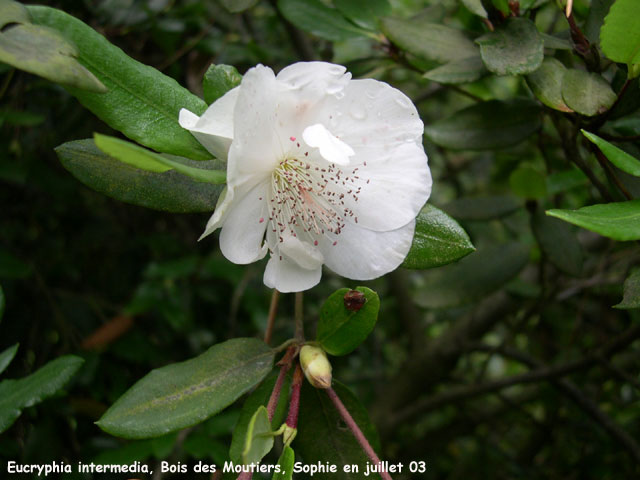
(285, 365)
(273, 309)
(294, 402)
(353, 426)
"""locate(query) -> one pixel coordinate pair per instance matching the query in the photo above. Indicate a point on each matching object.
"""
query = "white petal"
(301, 252)
(287, 276)
(214, 129)
(241, 238)
(331, 148)
(361, 254)
(315, 79)
(220, 212)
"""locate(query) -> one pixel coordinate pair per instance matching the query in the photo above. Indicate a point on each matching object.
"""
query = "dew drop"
(358, 113)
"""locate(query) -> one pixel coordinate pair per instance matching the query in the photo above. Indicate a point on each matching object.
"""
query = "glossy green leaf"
(285, 462)
(322, 436)
(169, 191)
(315, 17)
(45, 52)
(33, 389)
(527, 182)
(487, 125)
(482, 208)
(236, 6)
(586, 93)
(615, 155)
(7, 355)
(218, 80)
(559, 243)
(13, 12)
(430, 41)
(620, 221)
(259, 439)
(514, 48)
(259, 397)
(546, 84)
(438, 240)
(620, 34)
(473, 277)
(341, 329)
(364, 13)
(464, 70)
(631, 292)
(141, 102)
(186, 393)
(144, 159)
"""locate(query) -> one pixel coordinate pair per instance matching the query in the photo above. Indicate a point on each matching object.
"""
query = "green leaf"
(438, 240)
(430, 41)
(559, 243)
(631, 295)
(555, 43)
(186, 393)
(586, 93)
(620, 34)
(472, 278)
(597, 11)
(315, 17)
(560, 182)
(33, 389)
(620, 221)
(7, 355)
(482, 208)
(322, 436)
(464, 70)
(218, 80)
(514, 48)
(546, 84)
(487, 125)
(342, 329)
(259, 440)
(13, 12)
(475, 7)
(618, 157)
(236, 6)
(259, 397)
(364, 13)
(169, 191)
(141, 102)
(139, 157)
(285, 462)
(45, 52)
(527, 182)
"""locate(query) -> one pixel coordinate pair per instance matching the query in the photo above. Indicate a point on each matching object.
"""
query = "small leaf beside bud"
(354, 300)
(316, 366)
(289, 434)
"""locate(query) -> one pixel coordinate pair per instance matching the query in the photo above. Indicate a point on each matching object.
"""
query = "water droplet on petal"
(404, 102)
(358, 113)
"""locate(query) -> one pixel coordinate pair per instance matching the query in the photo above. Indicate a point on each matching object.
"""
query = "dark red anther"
(354, 300)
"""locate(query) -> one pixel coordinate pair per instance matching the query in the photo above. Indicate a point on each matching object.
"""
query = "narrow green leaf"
(259, 397)
(169, 191)
(33, 389)
(487, 125)
(482, 208)
(285, 462)
(186, 393)
(315, 17)
(438, 240)
(13, 12)
(218, 80)
(364, 13)
(322, 436)
(514, 48)
(620, 34)
(586, 93)
(45, 52)
(620, 221)
(559, 243)
(458, 71)
(527, 182)
(546, 84)
(475, 7)
(615, 155)
(141, 102)
(430, 41)
(342, 325)
(631, 292)
(259, 440)
(7, 355)
(237, 6)
(473, 277)
(144, 159)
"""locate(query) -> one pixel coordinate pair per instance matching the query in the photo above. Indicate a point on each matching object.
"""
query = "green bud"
(316, 366)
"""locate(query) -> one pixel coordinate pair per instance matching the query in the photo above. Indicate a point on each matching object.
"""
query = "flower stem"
(294, 402)
(273, 309)
(353, 426)
(285, 365)
(299, 317)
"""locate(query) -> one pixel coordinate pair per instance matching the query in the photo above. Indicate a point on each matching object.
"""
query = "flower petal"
(362, 254)
(331, 148)
(302, 253)
(314, 79)
(287, 276)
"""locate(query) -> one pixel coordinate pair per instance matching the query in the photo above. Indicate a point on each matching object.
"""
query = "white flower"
(320, 169)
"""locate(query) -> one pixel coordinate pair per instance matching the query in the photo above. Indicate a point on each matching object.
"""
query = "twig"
(285, 365)
(606, 165)
(273, 309)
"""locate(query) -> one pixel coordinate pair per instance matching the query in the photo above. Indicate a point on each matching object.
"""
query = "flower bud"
(316, 366)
